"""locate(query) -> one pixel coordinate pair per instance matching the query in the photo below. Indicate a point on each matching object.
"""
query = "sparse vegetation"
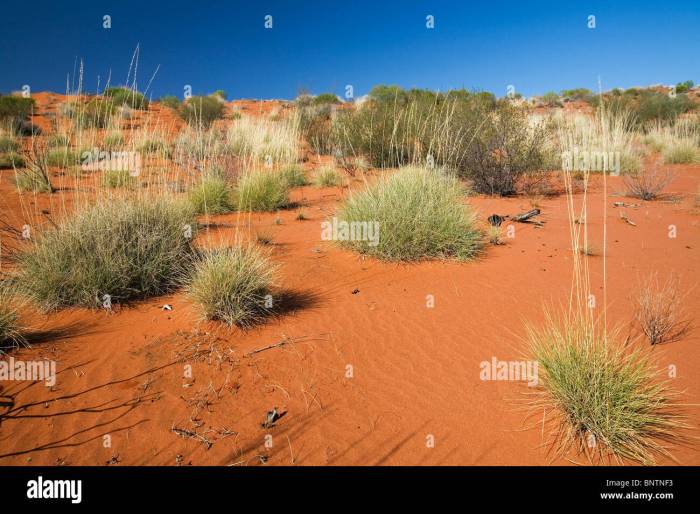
(118, 178)
(126, 249)
(604, 399)
(201, 110)
(212, 195)
(126, 96)
(232, 285)
(659, 311)
(261, 191)
(648, 183)
(294, 175)
(418, 214)
(327, 177)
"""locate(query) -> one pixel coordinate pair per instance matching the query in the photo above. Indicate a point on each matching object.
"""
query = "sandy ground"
(371, 374)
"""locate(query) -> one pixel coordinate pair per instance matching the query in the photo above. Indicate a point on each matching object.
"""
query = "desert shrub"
(580, 93)
(231, 285)
(126, 96)
(8, 144)
(11, 160)
(604, 399)
(684, 87)
(326, 98)
(126, 248)
(327, 177)
(417, 213)
(171, 101)
(551, 99)
(212, 195)
(14, 109)
(118, 178)
(201, 110)
(220, 93)
(294, 175)
(659, 311)
(261, 191)
(647, 183)
(62, 157)
(504, 149)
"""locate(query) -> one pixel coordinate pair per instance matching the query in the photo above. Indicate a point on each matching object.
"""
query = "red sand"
(415, 370)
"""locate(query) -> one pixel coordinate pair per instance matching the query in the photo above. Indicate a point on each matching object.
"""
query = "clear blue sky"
(323, 45)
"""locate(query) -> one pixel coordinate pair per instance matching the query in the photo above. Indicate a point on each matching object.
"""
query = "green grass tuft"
(606, 398)
(212, 195)
(262, 191)
(126, 249)
(420, 215)
(231, 285)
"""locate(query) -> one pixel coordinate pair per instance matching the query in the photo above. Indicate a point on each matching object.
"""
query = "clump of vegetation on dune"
(604, 399)
(257, 141)
(397, 127)
(418, 213)
(35, 176)
(201, 111)
(115, 178)
(11, 160)
(676, 141)
(212, 194)
(11, 331)
(126, 96)
(294, 175)
(327, 176)
(15, 109)
(261, 191)
(232, 285)
(503, 150)
(123, 248)
(171, 101)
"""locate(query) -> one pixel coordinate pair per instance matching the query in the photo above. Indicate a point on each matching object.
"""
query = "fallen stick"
(285, 341)
(522, 218)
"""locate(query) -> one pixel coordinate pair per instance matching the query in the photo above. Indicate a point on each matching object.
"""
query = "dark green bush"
(326, 98)
(171, 101)
(125, 96)
(503, 150)
(15, 108)
(201, 110)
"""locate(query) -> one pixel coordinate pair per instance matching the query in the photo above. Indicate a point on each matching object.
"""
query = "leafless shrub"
(647, 183)
(659, 311)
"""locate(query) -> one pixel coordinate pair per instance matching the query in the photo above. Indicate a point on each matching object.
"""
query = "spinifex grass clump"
(419, 215)
(125, 249)
(328, 177)
(212, 195)
(10, 330)
(604, 399)
(262, 191)
(232, 284)
(294, 175)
